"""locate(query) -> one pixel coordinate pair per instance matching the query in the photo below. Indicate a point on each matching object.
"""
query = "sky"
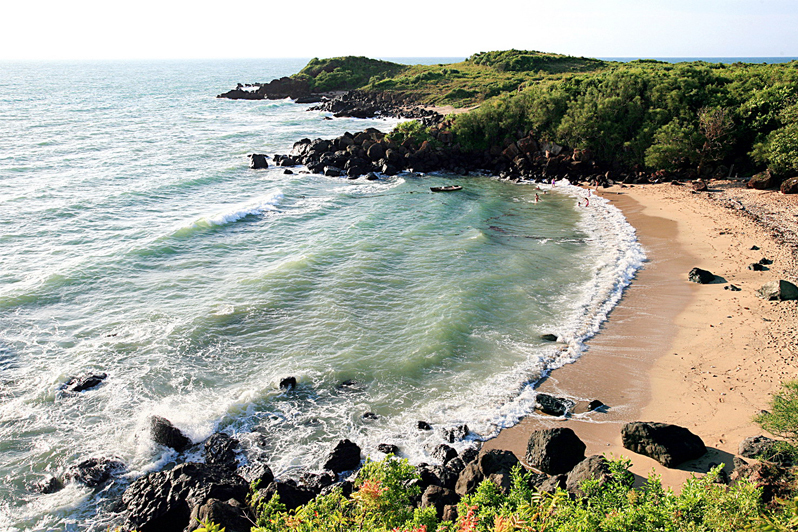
(200, 29)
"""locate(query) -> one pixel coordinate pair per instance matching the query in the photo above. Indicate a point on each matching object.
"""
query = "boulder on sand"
(778, 291)
(697, 275)
(670, 445)
(554, 451)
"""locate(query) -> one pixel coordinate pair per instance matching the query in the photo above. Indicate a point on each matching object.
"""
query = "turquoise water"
(137, 242)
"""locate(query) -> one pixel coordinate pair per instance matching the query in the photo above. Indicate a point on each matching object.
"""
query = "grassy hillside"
(478, 78)
(698, 117)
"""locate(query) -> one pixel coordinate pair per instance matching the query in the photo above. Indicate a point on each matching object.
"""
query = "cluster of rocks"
(779, 290)
(372, 152)
(766, 180)
(277, 89)
(360, 104)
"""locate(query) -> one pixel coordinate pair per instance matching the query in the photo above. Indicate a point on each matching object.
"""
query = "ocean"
(137, 242)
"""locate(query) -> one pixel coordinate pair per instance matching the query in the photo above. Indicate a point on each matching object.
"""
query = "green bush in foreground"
(384, 490)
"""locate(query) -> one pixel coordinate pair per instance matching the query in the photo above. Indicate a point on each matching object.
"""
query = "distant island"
(541, 115)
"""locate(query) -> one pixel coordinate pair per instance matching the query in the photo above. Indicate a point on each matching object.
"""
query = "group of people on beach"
(587, 199)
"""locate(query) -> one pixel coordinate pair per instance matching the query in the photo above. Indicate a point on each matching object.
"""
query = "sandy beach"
(704, 357)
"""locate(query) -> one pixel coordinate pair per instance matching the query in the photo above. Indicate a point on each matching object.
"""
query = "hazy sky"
(149, 29)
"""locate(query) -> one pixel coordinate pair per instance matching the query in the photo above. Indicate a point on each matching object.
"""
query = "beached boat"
(450, 188)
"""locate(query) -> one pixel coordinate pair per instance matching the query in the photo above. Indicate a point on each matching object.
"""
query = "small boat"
(450, 188)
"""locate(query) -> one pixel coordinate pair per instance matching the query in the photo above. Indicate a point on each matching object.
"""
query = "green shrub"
(782, 418)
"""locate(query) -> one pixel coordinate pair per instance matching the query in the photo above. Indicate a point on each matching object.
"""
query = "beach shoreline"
(704, 357)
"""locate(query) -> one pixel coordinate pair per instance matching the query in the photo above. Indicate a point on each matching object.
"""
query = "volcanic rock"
(84, 382)
(166, 434)
(554, 451)
(257, 161)
(697, 275)
(344, 457)
(553, 406)
(778, 291)
(220, 449)
(670, 445)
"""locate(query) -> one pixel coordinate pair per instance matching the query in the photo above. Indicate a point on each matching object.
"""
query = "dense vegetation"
(656, 115)
(345, 73)
(525, 61)
(646, 114)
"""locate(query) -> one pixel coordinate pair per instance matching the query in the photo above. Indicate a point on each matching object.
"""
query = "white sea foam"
(232, 213)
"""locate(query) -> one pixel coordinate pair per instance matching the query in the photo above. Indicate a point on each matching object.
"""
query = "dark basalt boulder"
(257, 473)
(790, 186)
(764, 448)
(496, 461)
(487, 464)
(258, 161)
(94, 471)
(778, 291)
(762, 181)
(220, 449)
(345, 456)
(423, 425)
(548, 337)
(316, 481)
(47, 485)
(291, 495)
(436, 475)
(553, 483)
(333, 171)
(469, 454)
(387, 448)
(288, 383)
(699, 185)
(593, 467)
(455, 433)
(439, 498)
(84, 382)
(553, 406)
(231, 515)
(554, 451)
(697, 275)
(469, 479)
(370, 416)
(444, 453)
(163, 501)
(166, 434)
(755, 266)
(503, 481)
(670, 445)
(773, 481)
(595, 404)
(351, 385)
(449, 513)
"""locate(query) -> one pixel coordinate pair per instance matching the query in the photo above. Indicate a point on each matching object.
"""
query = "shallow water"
(137, 242)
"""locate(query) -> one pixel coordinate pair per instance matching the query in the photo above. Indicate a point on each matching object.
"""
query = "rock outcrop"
(593, 467)
(84, 382)
(554, 451)
(670, 445)
(697, 275)
(345, 456)
(166, 434)
(778, 291)
(164, 501)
